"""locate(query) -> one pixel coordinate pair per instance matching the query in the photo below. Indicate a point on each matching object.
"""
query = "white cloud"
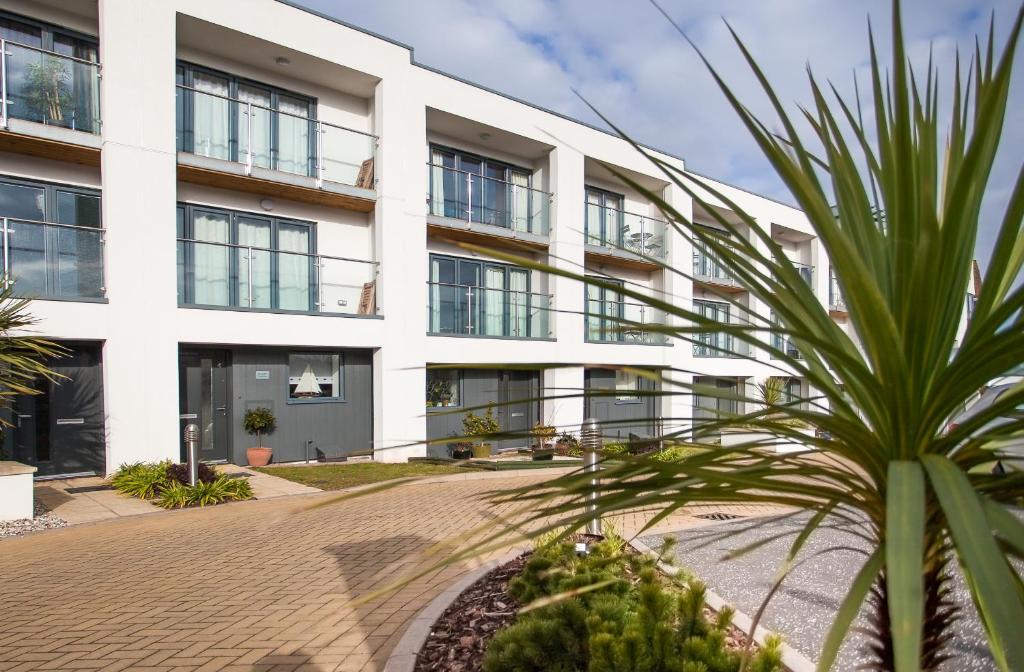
(627, 60)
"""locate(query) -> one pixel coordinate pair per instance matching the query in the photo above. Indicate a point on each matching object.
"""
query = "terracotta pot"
(543, 454)
(258, 457)
(481, 451)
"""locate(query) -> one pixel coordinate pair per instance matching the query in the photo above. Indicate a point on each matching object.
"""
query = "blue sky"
(625, 58)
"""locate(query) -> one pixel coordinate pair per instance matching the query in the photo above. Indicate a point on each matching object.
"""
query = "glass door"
(519, 307)
(254, 100)
(211, 116)
(294, 136)
(203, 398)
(211, 258)
(254, 272)
(469, 298)
(294, 267)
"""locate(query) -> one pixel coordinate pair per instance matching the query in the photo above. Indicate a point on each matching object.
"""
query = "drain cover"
(87, 488)
(718, 515)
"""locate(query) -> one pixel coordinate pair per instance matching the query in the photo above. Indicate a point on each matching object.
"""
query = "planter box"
(780, 445)
(15, 490)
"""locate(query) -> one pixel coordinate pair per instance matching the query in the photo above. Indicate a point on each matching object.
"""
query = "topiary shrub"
(259, 421)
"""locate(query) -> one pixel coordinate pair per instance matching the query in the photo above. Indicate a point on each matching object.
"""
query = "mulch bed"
(460, 636)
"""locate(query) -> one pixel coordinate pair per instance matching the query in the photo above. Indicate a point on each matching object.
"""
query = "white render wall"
(141, 325)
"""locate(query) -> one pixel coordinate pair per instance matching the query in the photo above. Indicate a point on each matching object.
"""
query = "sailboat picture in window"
(307, 385)
(315, 375)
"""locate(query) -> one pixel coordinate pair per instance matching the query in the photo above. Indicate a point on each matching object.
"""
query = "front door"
(203, 393)
(60, 430)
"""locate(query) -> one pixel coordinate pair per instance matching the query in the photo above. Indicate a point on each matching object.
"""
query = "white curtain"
(210, 125)
(436, 183)
(293, 128)
(522, 219)
(260, 120)
(593, 313)
(494, 302)
(256, 234)
(519, 304)
(613, 221)
(594, 217)
(212, 273)
(293, 269)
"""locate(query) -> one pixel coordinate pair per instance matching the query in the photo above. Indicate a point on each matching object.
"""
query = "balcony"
(707, 270)
(719, 344)
(836, 301)
(237, 277)
(622, 322)
(624, 238)
(465, 310)
(52, 261)
(780, 342)
(235, 144)
(483, 209)
(50, 105)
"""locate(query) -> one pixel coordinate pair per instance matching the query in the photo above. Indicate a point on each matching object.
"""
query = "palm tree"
(898, 215)
(23, 358)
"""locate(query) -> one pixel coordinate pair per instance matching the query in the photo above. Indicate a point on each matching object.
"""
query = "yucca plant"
(897, 210)
(23, 357)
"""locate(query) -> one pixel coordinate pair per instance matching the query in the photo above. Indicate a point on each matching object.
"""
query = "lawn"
(338, 476)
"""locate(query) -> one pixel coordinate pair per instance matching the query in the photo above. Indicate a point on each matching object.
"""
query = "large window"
(712, 406)
(51, 76)
(713, 343)
(54, 239)
(481, 298)
(603, 225)
(604, 312)
(316, 376)
(240, 259)
(219, 115)
(443, 388)
(466, 186)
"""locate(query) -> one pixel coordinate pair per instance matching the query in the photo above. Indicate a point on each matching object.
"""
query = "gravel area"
(42, 520)
(802, 610)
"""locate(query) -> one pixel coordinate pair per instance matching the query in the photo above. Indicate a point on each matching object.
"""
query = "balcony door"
(713, 343)
(479, 298)
(605, 311)
(603, 218)
(473, 188)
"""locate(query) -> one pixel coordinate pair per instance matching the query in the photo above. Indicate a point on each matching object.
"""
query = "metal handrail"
(52, 53)
(275, 111)
(489, 289)
(492, 179)
(5, 245)
(626, 212)
(268, 249)
(55, 224)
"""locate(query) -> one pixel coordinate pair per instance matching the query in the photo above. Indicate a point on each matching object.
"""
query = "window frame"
(184, 125)
(457, 383)
(186, 233)
(603, 300)
(342, 379)
(48, 30)
(604, 195)
(482, 266)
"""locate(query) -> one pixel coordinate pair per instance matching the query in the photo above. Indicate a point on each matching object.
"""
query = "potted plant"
(474, 425)
(48, 89)
(258, 421)
(439, 393)
(461, 450)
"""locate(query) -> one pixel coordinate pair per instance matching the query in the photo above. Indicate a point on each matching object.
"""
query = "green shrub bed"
(166, 484)
(613, 611)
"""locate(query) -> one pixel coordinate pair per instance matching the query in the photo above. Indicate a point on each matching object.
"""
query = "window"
(316, 376)
(443, 386)
(627, 384)
(247, 260)
(466, 186)
(604, 312)
(213, 111)
(711, 406)
(54, 239)
(712, 343)
(603, 224)
(481, 298)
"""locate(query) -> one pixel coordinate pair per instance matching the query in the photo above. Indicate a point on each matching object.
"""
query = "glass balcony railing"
(639, 234)
(780, 342)
(49, 88)
(481, 311)
(219, 127)
(474, 198)
(52, 261)
(214, 274)
(706, 268)
(719, 344)
(621, 322)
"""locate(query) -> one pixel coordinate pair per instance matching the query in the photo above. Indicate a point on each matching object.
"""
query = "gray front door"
(203, 394)
(620, 412)
(60, 430)
(516, 412)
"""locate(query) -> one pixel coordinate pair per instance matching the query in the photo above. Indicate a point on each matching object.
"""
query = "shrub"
(144, 480)
(179, 473)
(609, 611)
(259, 421)
(205, 493)
(474, 425)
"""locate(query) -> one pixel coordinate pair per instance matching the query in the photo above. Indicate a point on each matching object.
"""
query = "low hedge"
(166, 483)
(613, 611)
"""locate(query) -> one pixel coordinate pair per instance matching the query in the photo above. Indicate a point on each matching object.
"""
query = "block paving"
(268, 585)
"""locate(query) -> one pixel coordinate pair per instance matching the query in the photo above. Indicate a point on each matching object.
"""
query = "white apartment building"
(223, 205)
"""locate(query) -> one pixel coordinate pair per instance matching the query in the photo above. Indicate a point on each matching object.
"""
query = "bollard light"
(191, 445)
(591, 442)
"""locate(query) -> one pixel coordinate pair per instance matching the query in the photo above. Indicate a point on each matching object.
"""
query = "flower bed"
(166, 485)
(602, 611)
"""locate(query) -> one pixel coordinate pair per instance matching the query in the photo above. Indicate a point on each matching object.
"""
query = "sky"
(627, 60)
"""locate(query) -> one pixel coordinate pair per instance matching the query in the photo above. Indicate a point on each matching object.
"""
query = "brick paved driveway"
(265, 585)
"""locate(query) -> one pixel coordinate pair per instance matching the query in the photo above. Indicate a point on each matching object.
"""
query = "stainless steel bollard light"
(590, 442)
(191, 445)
